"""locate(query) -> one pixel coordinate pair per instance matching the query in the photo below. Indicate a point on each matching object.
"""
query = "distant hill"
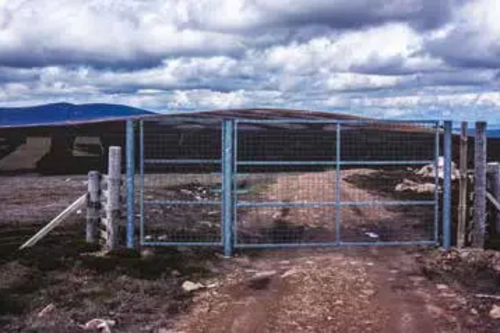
(493, 133)
(64, 112)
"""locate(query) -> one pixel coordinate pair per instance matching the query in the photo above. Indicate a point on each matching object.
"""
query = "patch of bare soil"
(58, 289)
(472, 275)
(32, 198)
(371, 290)
(62, 283)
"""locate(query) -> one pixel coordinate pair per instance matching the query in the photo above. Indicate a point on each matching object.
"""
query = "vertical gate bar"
(141, 166)
(235, 183)
(436, 182)
(337, 187)
(227, 177)
(447, 185)
(462, 205)
(130, 142)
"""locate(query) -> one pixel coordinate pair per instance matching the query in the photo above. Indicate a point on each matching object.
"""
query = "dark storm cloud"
(17, 75)
(130, 48)
(103, 60)
(356, 14)
(462, 50)
(387, 66)
(18, 58)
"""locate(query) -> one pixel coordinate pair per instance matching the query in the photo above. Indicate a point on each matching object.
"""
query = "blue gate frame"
(229, 201)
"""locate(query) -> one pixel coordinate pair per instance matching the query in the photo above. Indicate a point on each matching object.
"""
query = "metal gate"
(294, 182)
(324, 183)
(181, 184)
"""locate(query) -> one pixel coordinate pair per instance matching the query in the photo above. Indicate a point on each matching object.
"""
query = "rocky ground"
(334, 290)
(371, 290)
(65, 285)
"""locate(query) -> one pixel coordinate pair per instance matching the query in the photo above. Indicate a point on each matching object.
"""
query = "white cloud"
(100, 32)
(428, 99)
(391, 45)
(380, 57)
(472, 38)
(353, 81)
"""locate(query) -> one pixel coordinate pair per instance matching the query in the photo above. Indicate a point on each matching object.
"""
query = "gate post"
(130, 142)
(480, 159)
(447, 184)
(113, 205)
(227, 185)
(338, 239)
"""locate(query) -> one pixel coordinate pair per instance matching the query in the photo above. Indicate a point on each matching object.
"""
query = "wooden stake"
(462, 205)
(55, 222)
(479, 229)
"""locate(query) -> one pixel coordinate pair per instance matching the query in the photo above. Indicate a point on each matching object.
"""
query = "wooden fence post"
(113, 197)
(447, 190)
(93, 205)
(478, 232)
(462, 205)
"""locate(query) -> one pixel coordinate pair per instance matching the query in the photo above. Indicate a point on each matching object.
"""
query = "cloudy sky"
(384, 58)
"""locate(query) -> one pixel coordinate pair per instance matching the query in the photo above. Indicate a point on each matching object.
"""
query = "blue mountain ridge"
(490, 133)
(64, 112)
(67, 112)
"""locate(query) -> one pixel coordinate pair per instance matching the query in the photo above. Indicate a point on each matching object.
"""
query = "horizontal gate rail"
(342, 163)
(174, 202)
(164, 161)
(331, 244)
(332, 121)
(334, 204)
(155, 243)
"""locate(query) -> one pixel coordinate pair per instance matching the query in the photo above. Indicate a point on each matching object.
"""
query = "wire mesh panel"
(180, 183)
(387, 223)
(285, 187)
(289, 183)
(379, 141)
(389, 189)
(287, 224)
(308, 182)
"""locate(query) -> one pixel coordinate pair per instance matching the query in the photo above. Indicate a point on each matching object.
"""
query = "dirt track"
(342, 290)
(329, 291)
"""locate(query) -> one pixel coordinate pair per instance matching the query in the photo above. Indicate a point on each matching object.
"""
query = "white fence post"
(93, 205)
(113, 198)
